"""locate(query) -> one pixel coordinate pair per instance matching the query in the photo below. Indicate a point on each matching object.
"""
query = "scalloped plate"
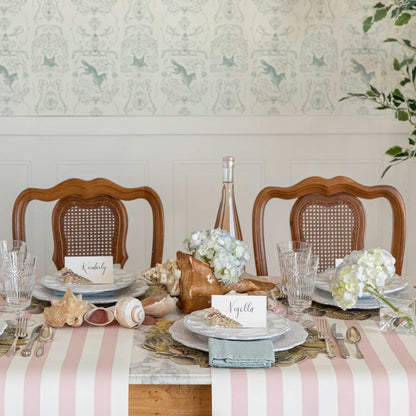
(121, 280)
(136, 289)
(296, 335)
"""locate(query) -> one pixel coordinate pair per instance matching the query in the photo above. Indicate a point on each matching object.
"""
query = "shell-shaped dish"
(159, 305)
(99, 316)
(129, 312)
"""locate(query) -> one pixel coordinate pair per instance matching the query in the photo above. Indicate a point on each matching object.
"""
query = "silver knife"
(340, 341)
(27, 350)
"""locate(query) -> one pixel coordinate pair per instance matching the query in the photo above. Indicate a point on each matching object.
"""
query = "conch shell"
(129, 312)
(198, 284)
(167, 275)
(159, 305)
(69, 310)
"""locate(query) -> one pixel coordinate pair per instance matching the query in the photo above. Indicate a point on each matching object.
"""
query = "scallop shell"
(159, 305)
(99, 316)
(129, 312)
(68, 310)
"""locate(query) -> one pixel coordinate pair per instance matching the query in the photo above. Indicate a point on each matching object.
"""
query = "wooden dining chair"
(90, 219)
(329, 214)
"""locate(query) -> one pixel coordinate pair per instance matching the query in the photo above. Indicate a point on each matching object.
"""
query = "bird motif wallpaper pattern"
(187, 57)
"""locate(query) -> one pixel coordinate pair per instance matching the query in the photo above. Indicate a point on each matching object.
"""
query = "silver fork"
(323, 333)
(21, 332)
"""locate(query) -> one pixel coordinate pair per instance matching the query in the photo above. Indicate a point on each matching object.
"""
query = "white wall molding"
(180, 157)
(138, 126)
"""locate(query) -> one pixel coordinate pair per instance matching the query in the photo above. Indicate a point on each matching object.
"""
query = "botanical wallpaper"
(187, 57)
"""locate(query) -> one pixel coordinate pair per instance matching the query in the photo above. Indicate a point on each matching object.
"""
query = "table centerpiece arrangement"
(213, 265)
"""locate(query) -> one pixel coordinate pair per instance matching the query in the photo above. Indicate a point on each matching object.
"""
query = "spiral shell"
(129, 312)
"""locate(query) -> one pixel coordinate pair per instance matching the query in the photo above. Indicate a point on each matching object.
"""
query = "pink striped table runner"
(382, 384)
(84, 371)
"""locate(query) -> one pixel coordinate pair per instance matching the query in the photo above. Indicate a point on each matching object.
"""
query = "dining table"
(383, 383)
(151, 376)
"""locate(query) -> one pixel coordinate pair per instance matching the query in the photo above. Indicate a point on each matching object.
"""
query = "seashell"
(198, 284)
(167, 275)
(129, 312)
(216, 318)
(159, 305)
(68, 276)
(69, 310)
(99, 316)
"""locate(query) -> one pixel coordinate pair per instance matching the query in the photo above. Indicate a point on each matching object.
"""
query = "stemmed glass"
(19, 278)
(290, 247)
(301, 271)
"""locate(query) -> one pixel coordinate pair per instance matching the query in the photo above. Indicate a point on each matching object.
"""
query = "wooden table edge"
(168, 399)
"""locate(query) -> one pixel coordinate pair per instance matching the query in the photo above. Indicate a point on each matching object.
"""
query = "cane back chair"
(329, 214)
(90, 219)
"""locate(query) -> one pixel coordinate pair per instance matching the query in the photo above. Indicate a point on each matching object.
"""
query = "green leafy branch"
(401, 101)
(400, 11)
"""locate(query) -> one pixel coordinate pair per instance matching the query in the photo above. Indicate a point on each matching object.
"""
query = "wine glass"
(290, 247)
(301, 271)
(19, 278)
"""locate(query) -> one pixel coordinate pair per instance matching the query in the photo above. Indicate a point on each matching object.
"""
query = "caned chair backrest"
(90, 219)
(329, 214)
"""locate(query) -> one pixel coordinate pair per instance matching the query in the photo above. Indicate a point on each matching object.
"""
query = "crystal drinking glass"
(301, 271)
(7, 247)
(290, 247)
(19, 279)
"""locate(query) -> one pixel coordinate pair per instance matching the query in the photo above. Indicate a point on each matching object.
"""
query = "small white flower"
(226, 255)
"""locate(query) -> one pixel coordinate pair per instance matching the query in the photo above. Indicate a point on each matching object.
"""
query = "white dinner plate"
(324, 297)
(121, 280)
(296, 335)
(392, 285)
(276, 325)
(136, 289)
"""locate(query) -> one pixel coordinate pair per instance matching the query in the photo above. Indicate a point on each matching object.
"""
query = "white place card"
(249, 311)
(98, 269)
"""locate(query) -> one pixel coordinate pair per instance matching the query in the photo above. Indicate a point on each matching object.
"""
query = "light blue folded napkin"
(240, 354)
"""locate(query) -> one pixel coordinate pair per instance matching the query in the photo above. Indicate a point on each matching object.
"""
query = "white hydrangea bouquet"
(364, 271)
(226, 255)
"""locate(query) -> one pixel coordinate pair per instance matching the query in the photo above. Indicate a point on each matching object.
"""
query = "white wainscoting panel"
(14, 175)
(180, 157)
